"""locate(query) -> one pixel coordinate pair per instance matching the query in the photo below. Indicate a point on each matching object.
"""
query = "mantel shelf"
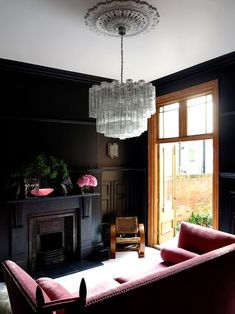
(51, 198)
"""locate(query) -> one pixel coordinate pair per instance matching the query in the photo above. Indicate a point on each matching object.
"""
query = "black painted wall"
(222, 69)
(46, 110)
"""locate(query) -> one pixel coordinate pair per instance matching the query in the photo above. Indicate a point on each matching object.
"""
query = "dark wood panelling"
(120, 197)
(123, 194)
(42, 107)
(227, 201)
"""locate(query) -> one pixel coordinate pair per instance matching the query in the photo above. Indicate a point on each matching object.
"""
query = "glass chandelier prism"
(122, 109)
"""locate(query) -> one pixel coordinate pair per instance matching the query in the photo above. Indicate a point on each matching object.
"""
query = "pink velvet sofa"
(196, 276)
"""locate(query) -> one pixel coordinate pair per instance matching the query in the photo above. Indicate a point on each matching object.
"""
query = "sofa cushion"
(176, 255)
(201, 240)
(153, 269)
(102, 286)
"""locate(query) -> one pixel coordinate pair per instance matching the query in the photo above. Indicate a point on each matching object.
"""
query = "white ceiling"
(53, 33)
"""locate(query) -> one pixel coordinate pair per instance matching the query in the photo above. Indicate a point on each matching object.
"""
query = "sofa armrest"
(26, 296)
(72, 304)
(201, 240)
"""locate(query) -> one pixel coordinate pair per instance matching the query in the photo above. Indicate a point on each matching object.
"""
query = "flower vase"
(86, 189)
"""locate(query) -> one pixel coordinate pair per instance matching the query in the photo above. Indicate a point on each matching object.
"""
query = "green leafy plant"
(46, 167)
(204, 219)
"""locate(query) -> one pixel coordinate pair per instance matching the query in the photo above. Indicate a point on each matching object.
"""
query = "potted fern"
(49, 171)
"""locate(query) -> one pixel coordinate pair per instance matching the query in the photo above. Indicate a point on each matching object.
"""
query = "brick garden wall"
(193, 195)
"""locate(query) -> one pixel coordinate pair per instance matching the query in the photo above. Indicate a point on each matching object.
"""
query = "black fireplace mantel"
(42, 204)
(50, 198)
(84, 206)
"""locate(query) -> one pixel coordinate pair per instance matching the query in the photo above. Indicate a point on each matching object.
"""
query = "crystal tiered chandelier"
(122, 109)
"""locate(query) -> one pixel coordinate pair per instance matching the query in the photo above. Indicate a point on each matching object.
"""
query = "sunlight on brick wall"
(193, 195)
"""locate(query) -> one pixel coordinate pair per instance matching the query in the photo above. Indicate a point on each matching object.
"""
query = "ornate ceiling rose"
(122, 109)
(135, 16)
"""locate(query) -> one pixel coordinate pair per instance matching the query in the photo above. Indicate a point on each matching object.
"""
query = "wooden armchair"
(127, 233)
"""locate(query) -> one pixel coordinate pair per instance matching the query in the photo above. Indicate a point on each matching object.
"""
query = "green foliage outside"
(203, 219)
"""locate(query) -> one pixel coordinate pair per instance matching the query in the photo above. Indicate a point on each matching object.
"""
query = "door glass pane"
(166, 169)
(186, 182)
(200, 115)
(194, 182)
(169, 121)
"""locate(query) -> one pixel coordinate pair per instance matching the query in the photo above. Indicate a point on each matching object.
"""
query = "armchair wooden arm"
(142, 240)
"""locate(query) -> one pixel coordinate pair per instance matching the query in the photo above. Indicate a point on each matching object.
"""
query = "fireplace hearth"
(51, 230)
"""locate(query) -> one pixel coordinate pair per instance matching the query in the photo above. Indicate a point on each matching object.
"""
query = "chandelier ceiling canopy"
(122, 109)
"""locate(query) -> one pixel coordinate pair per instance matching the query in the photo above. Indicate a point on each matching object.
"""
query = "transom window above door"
(200, 115)
(169, 121)
(188, 117)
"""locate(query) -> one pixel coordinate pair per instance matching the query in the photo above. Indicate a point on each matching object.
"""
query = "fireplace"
(49, 230)
(52, 238)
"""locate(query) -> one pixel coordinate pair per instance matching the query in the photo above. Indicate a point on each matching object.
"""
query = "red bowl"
(42, 192)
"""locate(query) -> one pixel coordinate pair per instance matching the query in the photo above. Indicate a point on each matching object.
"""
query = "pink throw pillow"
(176, 255)
(53, 289)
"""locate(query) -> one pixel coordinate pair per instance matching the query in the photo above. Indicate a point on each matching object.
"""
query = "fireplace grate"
(51, 257)
(52, 239)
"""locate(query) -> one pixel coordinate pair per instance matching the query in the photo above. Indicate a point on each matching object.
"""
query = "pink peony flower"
(87, 180)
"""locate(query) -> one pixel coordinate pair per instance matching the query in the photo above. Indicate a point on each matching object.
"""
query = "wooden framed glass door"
(186, 118)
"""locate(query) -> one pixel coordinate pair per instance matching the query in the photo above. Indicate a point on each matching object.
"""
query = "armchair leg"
(113, 242)
(142, 240)
(141, 249)
(112, 254)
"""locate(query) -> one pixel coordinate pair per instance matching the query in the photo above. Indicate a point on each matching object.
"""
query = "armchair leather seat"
(128, 240)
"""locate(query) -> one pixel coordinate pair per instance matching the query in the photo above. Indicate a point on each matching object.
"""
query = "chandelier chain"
(121, 58)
